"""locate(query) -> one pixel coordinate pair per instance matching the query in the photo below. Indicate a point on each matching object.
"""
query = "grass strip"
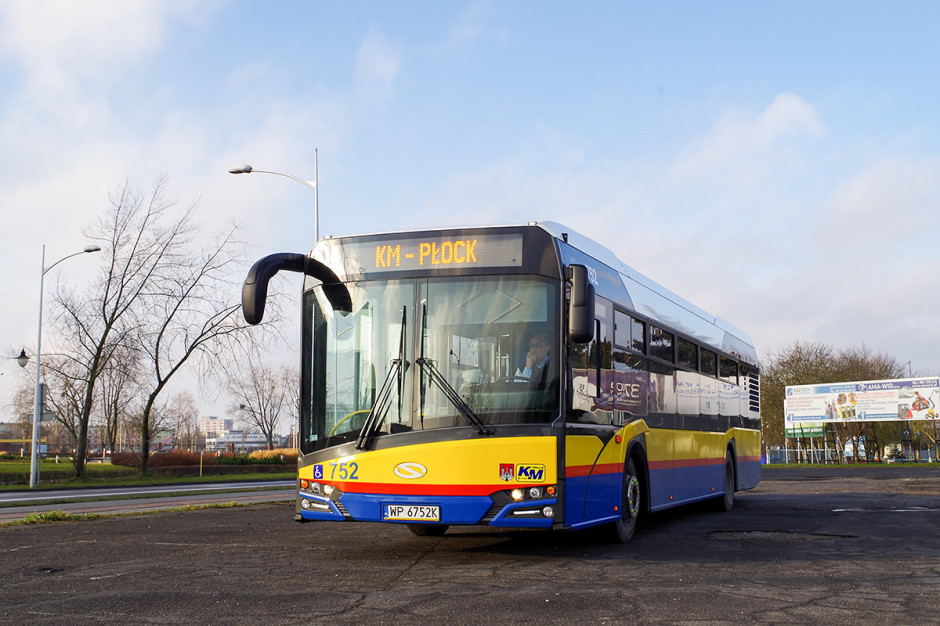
(55, 516)
(50, 517)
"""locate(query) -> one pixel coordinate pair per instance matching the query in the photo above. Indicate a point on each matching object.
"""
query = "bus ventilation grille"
(753, 392)
(493, 512)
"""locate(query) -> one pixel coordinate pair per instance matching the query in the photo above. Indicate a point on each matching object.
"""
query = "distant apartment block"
(215, 426)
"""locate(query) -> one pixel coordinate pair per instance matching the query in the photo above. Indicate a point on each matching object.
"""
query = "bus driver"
(536, 360)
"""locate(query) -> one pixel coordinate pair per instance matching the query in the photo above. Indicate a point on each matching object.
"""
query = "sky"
(777, 164)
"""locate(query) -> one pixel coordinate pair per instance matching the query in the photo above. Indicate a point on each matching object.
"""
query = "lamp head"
(240, 169)
(92, 248)
(22, 359)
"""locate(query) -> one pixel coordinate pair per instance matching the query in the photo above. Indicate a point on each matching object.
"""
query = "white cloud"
(743, 148)
(893, 198)
(62, 44)
(474, 22)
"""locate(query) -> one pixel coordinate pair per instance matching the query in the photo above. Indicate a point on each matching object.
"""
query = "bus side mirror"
(580, 306)
(255, 289)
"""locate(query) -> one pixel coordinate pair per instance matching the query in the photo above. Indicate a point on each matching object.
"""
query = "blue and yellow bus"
(514, 376)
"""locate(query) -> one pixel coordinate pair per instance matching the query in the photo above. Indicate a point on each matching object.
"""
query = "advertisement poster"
(866, 401)
(620, 391)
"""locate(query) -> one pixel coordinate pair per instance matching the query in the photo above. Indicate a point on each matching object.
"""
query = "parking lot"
(858, 547)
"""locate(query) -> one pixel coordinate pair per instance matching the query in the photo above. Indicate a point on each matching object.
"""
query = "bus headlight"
(548, 511)
(523, 493)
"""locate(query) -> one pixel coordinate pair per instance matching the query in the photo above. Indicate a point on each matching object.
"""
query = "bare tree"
(291, 382)
(138, 238)
(190, 312)
(63, 397)
(182, 416)
(117, 390)
(22, 406)
(259, 394)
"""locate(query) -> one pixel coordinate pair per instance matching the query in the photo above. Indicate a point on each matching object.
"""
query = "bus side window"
(622, 328)
(688, 354)
(728, 370)
(638, 335)
(662, 344)
(709, 363)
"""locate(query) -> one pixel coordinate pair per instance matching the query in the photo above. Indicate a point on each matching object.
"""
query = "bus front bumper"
(530, 512)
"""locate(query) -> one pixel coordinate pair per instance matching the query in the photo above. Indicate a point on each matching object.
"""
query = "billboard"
(866, 401)
(799, 430)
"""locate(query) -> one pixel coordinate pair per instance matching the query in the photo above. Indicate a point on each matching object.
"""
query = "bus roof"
(651, 298)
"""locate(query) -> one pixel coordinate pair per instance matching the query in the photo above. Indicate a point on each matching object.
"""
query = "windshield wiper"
(444, 385)
(451, 394)
(380, 405)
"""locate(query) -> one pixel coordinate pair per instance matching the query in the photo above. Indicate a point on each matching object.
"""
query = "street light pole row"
(312, 184)
(37, 400)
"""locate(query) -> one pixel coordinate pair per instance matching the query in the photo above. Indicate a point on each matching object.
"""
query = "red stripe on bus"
(410, 489)
(575, 471)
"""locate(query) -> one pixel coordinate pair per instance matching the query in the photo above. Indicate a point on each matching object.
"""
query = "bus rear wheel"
(726, 502)
(631, 503)
(428, 530)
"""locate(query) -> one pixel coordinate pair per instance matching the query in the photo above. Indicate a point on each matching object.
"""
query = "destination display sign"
(417, 253)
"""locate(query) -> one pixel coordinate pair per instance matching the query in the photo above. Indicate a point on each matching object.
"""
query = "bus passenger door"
(593, 469)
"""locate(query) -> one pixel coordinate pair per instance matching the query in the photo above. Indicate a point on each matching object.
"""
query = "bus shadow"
(696, 534)
(597, 541)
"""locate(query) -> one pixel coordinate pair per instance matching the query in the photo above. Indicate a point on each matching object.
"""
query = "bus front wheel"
(631, 503)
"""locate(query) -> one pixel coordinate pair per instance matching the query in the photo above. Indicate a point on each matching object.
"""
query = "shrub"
(244, 459)
(277, 455)
(127, 459)
(173, 458)
(166, 458)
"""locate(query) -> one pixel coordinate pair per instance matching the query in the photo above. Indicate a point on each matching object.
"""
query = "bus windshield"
(430, 353)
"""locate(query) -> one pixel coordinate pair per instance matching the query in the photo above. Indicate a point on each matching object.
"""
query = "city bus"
(511, 376)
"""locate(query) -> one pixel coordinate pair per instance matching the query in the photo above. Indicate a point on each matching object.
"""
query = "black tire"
(428, 530)
(726, 502)
(632, 503)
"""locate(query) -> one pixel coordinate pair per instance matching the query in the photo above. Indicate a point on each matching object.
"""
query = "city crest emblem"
(506, 471)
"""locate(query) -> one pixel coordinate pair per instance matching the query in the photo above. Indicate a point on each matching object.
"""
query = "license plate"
(411, 512)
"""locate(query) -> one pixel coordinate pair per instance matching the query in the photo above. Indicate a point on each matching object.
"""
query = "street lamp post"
(37, 401)
(312, 184)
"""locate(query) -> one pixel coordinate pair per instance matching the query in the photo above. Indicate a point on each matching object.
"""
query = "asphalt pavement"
(819, 547)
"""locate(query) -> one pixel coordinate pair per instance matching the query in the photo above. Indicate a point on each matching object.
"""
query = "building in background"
(237, 441)
(215, 426)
